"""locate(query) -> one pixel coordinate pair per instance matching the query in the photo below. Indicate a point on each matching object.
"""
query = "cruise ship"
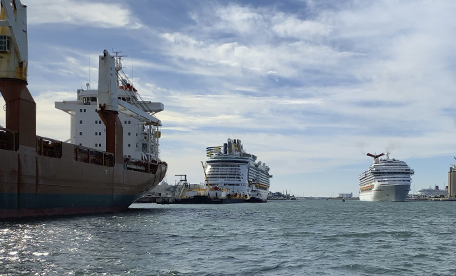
(231, 170)
(40, 176)
(433, 192)
(385, 180)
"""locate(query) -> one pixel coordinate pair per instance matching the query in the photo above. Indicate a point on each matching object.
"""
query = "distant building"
(452, 181)
(342, 195)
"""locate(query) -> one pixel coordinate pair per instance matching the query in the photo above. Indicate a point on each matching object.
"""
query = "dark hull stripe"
(24, 205)
(6, 214)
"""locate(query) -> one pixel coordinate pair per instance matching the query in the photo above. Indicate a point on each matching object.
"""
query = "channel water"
(301, 237)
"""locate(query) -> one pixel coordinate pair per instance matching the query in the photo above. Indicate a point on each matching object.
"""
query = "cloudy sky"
(309, 86)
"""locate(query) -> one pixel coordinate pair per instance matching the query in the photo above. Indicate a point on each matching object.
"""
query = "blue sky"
(309, 86)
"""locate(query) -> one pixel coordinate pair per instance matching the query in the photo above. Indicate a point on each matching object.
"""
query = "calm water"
(304, 237)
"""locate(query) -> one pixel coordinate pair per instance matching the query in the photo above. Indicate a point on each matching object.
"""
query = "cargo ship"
(41, 176)
(385, 180)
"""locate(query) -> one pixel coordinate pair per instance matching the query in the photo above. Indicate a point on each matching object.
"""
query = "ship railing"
(141, 165)
(92, 156)
(9, 139)
(48, 147)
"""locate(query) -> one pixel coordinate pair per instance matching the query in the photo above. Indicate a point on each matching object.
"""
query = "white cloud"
(82, 13)
(292, 27)
(50, 122)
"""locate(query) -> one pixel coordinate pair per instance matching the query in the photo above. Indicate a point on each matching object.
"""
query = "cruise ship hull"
(386, 192)
(36, 185)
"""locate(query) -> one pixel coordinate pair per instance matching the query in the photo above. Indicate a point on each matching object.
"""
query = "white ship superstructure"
(433, 192)
(385, 180)
(230, 168)
(141, 129)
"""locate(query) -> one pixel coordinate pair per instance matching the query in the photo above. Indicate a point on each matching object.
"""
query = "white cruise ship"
(385, 180)
(239, 173)
(433, 192)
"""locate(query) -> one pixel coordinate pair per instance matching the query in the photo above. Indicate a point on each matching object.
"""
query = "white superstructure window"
(4, 43)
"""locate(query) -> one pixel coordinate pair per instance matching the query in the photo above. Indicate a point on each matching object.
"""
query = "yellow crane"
(205, 176)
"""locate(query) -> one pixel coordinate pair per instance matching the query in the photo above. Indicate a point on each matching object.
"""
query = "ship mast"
(109, 109)
(20, 106)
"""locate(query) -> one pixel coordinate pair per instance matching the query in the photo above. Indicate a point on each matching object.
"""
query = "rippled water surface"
(303, 237)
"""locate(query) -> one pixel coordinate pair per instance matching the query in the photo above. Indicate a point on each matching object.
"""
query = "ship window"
(136, 144)
(129, 133)
(99, 122)
(93, 99)
(95, 145)
(4, 43)
(128, 145)
(129, 122)
(125, 122)
(99, 145)
(136, 134)
(96, 133)
(85, 110)
(96, 122)
(80, 144)
(80, 110)
(96, 110)
(80, 133)
(99, 133)
(80, 122)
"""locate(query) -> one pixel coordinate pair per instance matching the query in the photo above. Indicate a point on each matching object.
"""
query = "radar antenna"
(118, 59)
